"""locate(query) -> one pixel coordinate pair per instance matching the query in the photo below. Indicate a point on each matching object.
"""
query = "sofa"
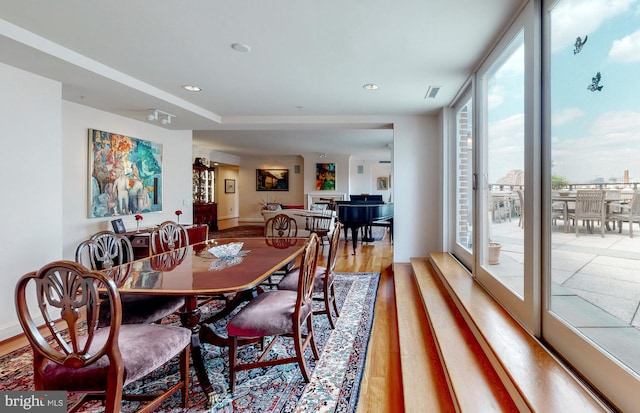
(301, 216)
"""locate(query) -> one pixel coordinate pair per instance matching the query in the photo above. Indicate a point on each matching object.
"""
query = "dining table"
(194, 272)
(568, 197)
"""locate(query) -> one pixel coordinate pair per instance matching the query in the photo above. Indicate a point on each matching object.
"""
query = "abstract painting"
(325, 176)
(125, 175)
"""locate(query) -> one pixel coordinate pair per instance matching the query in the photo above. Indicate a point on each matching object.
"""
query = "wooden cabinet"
(206, 214)
(205, 210)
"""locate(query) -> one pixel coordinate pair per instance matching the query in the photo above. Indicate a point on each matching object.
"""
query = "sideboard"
(206, 213)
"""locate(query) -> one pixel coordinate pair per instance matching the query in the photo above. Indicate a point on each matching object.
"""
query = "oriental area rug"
(335, 381)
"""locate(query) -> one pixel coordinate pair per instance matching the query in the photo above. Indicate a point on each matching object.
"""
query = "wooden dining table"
(571, 197)
(193, 272)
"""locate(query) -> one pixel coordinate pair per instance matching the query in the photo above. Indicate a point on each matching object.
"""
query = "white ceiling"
(298, 90)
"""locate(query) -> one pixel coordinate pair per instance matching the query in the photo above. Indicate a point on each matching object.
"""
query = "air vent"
(432, 92)
(384, 161)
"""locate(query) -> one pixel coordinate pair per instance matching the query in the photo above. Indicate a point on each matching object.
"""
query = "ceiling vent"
(432, 92)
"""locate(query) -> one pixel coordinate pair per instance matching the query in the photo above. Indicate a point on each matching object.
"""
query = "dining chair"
(320, 223)
(629, 213)
(168, 236)
(277, 313)
(107, 249)
(276, 227)
(84, 358)
(589, 208)
(281, 226)
(324, 278)
(104, 249)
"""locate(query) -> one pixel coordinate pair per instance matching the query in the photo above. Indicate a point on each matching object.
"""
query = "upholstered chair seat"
(270, 314)
(143, 348)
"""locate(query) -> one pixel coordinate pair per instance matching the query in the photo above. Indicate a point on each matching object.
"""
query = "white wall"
(250, 199)
(176, 171)
(417, 179)
(228, 203)
(31, 171)
(367, 181)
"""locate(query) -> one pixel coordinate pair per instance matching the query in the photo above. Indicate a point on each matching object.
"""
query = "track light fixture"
(156, 115)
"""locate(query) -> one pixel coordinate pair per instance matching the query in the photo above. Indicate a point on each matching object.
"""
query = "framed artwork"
(383, 184)
(325, 176)
(229, 186)
(272, 179)
(118, 226)
(125, 175)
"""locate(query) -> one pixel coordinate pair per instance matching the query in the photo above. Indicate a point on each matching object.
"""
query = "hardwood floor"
(381, 389)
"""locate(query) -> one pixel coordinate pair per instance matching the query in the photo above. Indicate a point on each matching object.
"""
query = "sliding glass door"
(555, 113)
(503, 129)
(592, 103)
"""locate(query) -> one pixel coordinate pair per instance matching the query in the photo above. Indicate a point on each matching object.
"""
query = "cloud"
(612, 145)
(573, 18)
(566, 115)
(627, 49)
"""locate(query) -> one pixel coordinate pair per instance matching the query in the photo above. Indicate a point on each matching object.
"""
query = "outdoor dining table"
(194, 272)
(571, 197)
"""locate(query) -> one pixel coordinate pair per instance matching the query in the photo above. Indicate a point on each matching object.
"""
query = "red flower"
(178, 212)
(138, 217)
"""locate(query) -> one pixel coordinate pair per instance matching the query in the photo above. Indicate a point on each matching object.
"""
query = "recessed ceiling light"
(371, 86)
(241, 47)
(191, 88)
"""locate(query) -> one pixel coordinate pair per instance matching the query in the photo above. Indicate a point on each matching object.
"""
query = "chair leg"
(298, 344)
(184, 373)
(333, 300)
(233, 346)
(327, 309)
(312, 340)
(114, 390)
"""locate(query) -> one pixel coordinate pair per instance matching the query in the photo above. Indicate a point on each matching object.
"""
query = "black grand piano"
(364, 211)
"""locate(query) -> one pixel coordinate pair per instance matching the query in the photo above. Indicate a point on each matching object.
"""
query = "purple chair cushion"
(268, 314)
(144, 348)
(290, 280)
(139, 308)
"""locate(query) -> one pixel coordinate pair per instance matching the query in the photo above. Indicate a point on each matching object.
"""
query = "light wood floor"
(381, 389)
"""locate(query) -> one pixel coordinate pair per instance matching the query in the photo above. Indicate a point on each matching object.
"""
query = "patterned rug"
(335, 381)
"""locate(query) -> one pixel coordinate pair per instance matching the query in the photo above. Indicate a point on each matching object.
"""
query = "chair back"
(333, 249)
(66, 290)
(281, 226)
(320, 221)
(589, 202)
(634, 207)
(104, 250)
(168, 236)
(169, 260)
(308, 265)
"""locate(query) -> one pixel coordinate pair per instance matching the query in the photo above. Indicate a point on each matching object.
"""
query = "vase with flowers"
(138, 219)
(178, 213)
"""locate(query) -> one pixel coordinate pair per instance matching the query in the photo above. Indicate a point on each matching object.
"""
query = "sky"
(595, 134)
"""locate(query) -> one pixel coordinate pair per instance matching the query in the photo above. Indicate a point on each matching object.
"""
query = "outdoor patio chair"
(278, 313)
(95, 362)
(629, 213)
(590, 209)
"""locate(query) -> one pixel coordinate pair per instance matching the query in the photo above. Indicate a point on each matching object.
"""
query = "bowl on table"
(224, 251)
